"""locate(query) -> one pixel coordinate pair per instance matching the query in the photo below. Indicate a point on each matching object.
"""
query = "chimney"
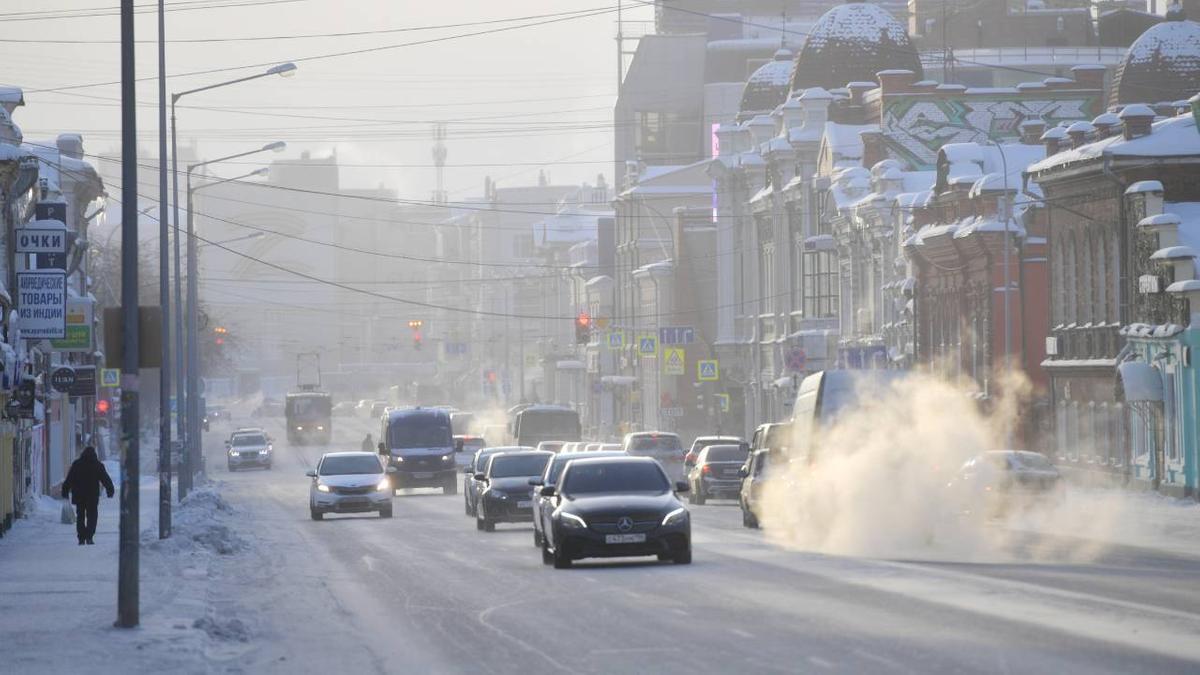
(793, 114)
(816, 107)
(1058, 82)
(1079, 133)
(1136, 119)
(70, 145)
(1089, 75)
(896, 81)
(858, 89)
(1031, 131)
(1053, 138)
(1106, 125)
(874, 150)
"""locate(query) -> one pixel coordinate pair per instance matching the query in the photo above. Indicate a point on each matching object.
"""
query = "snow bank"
(199, 527)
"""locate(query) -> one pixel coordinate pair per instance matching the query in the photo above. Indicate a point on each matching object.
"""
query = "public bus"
(539, 423)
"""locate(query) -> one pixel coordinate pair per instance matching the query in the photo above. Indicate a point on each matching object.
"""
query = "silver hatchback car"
(350, 482)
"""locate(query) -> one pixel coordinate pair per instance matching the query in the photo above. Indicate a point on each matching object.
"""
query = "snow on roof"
(988, 224)
(10, 153)
(12, 96)
(1109, 118)
(992, 182)
(844, 140)
(1159, 220)
(1144, 186)
(1172, 137)
(1173, 253)
(919, 181)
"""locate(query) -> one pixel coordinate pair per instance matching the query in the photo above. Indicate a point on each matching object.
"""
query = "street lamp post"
(193, 448)
(283, 70)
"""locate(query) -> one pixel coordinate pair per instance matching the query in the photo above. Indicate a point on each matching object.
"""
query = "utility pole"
(164, 295)
(127, 574)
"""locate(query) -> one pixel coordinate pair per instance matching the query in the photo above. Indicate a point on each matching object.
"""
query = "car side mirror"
(392, 469)
(310, 473)
(480, 476)
(681, 486)
(743, 472)
(548, 491)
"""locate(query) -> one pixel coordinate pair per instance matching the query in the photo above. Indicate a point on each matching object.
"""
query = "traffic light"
(583, 328)
(102, 407)
(219, 335)
(415, 325)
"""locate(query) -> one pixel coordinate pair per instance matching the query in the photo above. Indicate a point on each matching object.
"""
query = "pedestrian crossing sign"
(648, 345)
(110, 377)
(616, 339)
(708, 370)
(673, 361)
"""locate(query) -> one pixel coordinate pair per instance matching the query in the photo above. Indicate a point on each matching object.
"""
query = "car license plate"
(624, 538)
(422, 475)
(524, 505)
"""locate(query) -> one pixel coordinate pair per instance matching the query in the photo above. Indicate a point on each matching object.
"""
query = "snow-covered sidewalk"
(58, 599)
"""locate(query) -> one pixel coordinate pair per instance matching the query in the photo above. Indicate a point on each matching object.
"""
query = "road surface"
(426, 592)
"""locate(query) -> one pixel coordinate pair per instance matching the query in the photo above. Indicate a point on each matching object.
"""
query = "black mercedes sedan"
(616, 507)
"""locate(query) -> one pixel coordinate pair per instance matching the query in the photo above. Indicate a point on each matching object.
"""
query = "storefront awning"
(1140, 382)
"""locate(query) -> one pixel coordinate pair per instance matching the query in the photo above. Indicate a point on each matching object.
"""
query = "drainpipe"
(1123, 267)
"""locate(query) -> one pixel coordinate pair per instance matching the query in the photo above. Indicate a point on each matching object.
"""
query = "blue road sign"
(677, 335)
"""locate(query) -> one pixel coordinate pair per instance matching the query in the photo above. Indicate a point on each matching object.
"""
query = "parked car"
(701, 442)
(350, 482)
(717, 473)
(542, 506)
(472, 487)
(616, 507)
(506, 495)
(996, 482)
(571, 446)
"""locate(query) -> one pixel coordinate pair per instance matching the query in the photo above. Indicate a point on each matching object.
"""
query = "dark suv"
(753, 476)
(717, 473)
(507, 496)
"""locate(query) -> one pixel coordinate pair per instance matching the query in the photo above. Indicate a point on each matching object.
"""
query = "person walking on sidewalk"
(368, 444)
(82, 485)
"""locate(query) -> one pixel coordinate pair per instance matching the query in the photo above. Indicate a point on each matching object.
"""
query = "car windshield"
(655, 443)
(481, 460)
(349, 464)
(592, 477)
(249, 439)
(1032, 460)
(725, 453)
(508, 466)
(419, 431)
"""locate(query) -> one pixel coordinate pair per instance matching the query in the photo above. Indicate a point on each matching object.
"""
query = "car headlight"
(234, 453)
(498, 494)
(322, 488)
(570, 521)
(398, 460)
(449, 457)
(299, 428)
(676, 517)
(384, 485)
(320, 428)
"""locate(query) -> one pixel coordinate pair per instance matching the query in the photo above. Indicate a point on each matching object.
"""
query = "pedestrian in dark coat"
(82, 485)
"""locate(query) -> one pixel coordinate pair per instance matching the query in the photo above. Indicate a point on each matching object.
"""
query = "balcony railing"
(1098, 341)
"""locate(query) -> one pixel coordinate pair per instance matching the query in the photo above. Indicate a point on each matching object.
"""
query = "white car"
(350, 482)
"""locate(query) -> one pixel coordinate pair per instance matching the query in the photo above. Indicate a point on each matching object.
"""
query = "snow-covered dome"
(1161, 65)
(851, 43)
(767, 88)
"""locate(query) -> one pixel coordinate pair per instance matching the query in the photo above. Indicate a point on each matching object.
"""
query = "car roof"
(633, 434)
(248, 430)
(601, 454)
(396, 413)
(351, 453)
(594, 458)
(719, 438)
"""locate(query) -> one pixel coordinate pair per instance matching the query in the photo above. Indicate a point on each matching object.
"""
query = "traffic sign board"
(723, 401)
(616, 339)
(708, 370)
(677, 335)
(796, 359)
(673, 361)
(648, 345)
(110, 377)
(671, 412)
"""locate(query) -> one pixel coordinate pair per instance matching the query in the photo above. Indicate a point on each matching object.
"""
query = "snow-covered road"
(426, 592)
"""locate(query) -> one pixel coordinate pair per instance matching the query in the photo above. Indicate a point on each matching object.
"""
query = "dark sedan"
(506, 495)
(717, 473)
(616, 507)
(472, 487)
(543, 506)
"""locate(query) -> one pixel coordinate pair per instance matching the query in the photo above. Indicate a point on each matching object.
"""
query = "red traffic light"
(584, 320)
(102, 406)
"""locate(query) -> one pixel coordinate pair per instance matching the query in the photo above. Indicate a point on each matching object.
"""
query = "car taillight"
(706, 469)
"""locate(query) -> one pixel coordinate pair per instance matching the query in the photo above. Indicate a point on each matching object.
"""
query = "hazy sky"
(535, 94)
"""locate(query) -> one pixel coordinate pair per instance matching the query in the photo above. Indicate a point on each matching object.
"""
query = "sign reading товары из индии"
(42, 304)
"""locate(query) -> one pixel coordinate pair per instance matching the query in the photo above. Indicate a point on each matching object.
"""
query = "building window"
(820, 285)
(767, 280)
(664, 134)
(1070, 281)
(1083, 284)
